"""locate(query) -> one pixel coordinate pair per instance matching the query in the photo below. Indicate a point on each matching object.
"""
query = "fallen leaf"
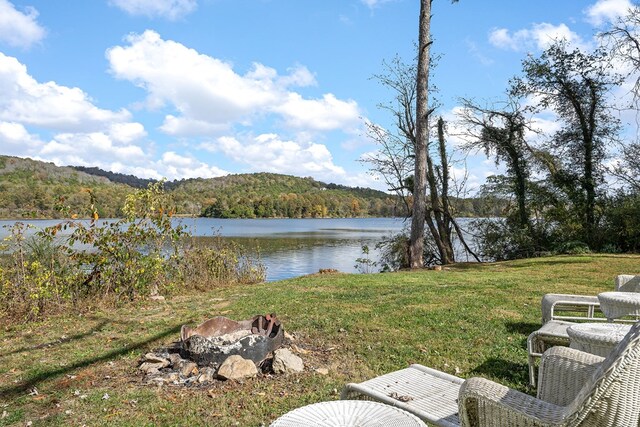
(299, 349)
(401, 398)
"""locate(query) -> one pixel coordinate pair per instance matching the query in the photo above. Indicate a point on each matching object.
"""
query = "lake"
(290, 247)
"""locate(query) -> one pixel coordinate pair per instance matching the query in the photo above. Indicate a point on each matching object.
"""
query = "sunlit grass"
(468, 320)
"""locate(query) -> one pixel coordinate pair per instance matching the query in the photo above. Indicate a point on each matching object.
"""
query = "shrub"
(365, 264)
(221, 262)
(116, 261)
(573, 247)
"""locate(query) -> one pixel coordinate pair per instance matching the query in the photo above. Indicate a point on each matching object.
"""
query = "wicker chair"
(575, 389)
(627, 283)
(559, 311)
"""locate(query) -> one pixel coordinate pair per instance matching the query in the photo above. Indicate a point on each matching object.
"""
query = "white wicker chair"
(575, 389)
(627, 283)
(559, 311)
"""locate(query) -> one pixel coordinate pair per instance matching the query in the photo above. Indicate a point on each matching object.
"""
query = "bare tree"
(395, 160)
(623, 40)
(423, 111)
(416, 244)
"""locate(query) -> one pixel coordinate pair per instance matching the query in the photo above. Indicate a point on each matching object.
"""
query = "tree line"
(573, 187)
(34, 189)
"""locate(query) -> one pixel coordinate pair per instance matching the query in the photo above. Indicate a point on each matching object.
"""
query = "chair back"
(627, 283)
(611, 397)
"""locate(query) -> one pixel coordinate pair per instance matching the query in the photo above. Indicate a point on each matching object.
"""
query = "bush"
(621, 223)
(223, 262)
(573, 248)
(78, 263)
(500, 239)
(394, 252)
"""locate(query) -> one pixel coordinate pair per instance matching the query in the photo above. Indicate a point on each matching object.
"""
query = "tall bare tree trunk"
(416, 243)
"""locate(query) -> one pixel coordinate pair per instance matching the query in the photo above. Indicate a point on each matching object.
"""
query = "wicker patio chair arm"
(485, 403)
(563, 372)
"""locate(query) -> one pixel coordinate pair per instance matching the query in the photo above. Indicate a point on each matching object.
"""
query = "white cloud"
(475, 52)
(198, 86)
(208, 95)
(604, 11)
(182, 126)
(50, 105)
(110, 151)
(127, 132)
(90, 147)
(543, 125)
(540, 36)
(169, 9)
(83, 134)
(270, 153)
(19, 29)
(299, 76)
(16, 140)
(374, 3)
(178, 166)
(319, 114)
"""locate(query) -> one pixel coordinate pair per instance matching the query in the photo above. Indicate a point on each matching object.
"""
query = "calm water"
(291, 247)
(294, 247)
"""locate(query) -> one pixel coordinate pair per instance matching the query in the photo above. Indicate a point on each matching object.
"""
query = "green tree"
(499, 131)
(574, 85)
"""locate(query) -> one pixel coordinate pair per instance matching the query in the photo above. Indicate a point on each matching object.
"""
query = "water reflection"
(288, 247)
(294, 247)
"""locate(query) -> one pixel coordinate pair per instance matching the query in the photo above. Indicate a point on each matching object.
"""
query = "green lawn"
(468, 320)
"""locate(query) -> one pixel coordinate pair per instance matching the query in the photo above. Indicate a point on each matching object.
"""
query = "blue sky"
(203, 88)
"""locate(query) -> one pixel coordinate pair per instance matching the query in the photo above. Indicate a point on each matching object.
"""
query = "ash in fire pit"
(213, 341)
(200, 355)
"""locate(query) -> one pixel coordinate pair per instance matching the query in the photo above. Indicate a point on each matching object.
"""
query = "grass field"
(468, 320)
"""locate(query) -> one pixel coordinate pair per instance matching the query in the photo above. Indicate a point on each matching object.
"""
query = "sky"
(203, 88)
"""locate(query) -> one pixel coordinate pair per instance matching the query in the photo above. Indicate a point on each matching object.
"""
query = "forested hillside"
(269, 195)
(34, 189)
(130, 180)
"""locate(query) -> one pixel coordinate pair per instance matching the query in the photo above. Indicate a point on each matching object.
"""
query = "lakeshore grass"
(468, 320)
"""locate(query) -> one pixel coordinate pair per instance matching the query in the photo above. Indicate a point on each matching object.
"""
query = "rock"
(157, 381)
(322, 371)
(236, 367)
(187, 368)
(285, 362)
(152, 363)
(173, 377)
(154, 359)
(156, 298)
(206, 375)
(151, 368)
(175, 360)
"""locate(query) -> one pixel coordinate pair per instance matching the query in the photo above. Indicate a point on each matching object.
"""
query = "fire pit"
(212, 342)
(220, 348)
